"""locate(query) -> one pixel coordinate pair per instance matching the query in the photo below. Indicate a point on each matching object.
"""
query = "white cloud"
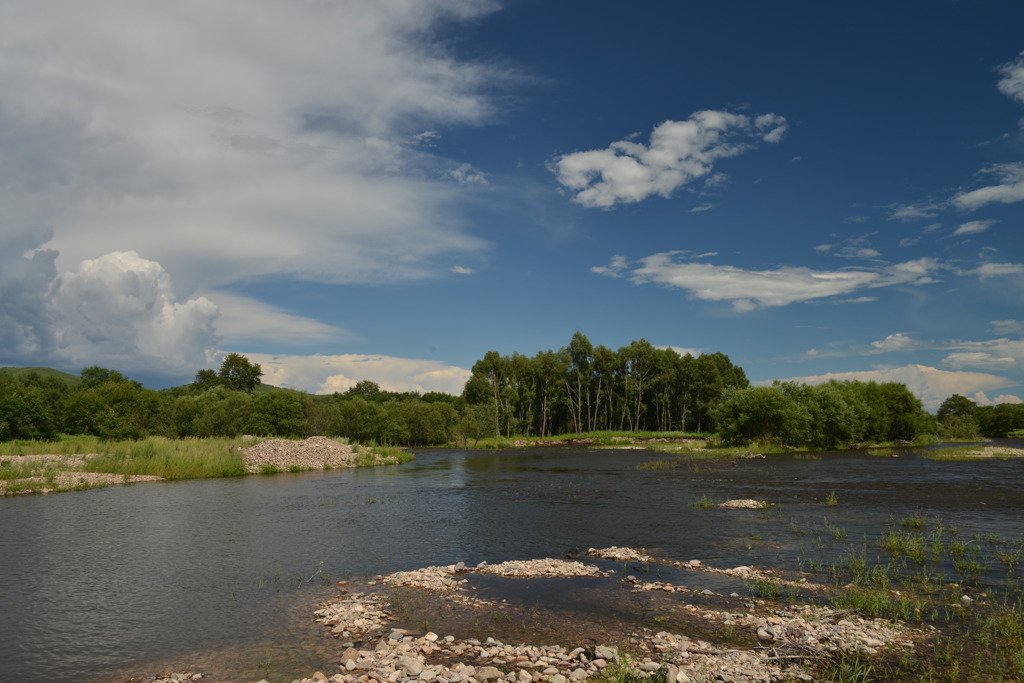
(1012, 82)
(683, 350)
(327, 374)
(238, 139)
(701, 208)
(1010, 188)
(992, 354)
(983, 400)
(913, 212)
(1008, 326)
(894, 342)
(751, 289)
(120, 310)
(679, 153)
(466, 174)
(996, 269)
(929, 384)
(462, 270)
(974, 227)
(614, 268)
(246, 320)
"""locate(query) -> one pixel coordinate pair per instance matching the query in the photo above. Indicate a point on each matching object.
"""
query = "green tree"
(236, 372)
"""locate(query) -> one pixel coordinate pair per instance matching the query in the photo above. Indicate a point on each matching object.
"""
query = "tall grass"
(172, 458)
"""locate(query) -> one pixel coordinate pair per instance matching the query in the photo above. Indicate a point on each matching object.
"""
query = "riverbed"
(223, 576)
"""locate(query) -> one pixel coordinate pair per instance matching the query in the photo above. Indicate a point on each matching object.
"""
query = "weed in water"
(832, 500)
(704, 503)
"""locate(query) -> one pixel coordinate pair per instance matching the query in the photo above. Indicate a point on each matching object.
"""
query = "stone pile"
(542, 567)
(787, 637)
(745, 504)
(314, 453)
(620, 554)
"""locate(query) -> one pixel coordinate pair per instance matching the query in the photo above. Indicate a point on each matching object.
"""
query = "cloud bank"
(929, 384)
(238, 139)
(679, 153)
(322, 374)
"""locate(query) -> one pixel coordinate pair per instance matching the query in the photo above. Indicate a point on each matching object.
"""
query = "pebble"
(401, 657)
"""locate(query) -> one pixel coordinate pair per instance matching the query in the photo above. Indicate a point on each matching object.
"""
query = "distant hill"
(71, 380)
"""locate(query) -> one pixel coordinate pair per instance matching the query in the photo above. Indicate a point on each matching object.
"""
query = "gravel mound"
(314, 453)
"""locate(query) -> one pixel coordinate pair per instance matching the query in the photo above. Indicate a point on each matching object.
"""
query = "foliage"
(236, 373)
(583, 388)
(831, 415)
(1000, 420)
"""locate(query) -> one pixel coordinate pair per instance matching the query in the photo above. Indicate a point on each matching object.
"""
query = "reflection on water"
(215, 573)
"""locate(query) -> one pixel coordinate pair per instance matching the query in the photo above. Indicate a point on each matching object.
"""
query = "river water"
(223, 575)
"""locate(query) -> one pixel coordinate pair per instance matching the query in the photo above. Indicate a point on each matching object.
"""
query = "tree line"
(577, 388)
(583, 388)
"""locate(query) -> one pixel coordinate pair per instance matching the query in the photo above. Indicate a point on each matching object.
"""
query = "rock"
(488, 673)
(410, 665)
(607, 653)
(744, 504)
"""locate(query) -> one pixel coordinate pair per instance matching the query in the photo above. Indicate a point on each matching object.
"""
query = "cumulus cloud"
(1012, 82)
(929, 384)
(239, 139)
(120, 309)
(679, 152)
(751, 289)
(893, 342)
(983, 400)
(325, 374)
(27, 276)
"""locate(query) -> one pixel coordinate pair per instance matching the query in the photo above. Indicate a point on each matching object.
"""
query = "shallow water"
(223, 575)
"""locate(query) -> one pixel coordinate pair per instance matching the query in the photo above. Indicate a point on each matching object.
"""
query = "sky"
(388, 189)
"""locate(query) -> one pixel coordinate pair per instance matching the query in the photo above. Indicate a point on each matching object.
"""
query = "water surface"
(224, 574)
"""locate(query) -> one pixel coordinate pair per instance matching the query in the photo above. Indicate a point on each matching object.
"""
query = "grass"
(832, 500)
(704, 503)
(597, 438)
(172, 459)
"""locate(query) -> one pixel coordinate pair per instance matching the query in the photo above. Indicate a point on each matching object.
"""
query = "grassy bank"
(968, 592)
(598, 439)
(82, 462)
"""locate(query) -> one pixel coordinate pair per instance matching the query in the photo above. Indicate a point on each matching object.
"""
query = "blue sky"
(388, 189)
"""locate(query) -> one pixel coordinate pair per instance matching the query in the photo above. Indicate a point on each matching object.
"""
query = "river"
(223, 575)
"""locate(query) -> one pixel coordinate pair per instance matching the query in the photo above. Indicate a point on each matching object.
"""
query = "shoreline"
(731, 637)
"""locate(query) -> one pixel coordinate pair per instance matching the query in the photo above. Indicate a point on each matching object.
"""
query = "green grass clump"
(172, 458)
(658, 465)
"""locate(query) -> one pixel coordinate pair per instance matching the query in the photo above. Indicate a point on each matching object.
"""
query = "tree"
(236, 372)
(956, 405)
(94, 375)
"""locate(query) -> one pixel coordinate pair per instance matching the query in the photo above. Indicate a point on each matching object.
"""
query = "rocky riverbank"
(768, 641)
(50, 473)
(314, 453)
